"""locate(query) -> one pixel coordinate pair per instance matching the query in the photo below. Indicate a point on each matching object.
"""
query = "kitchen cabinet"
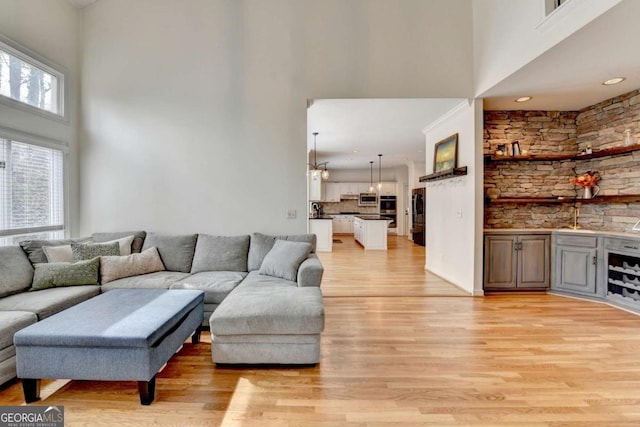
(323, 229)
(343, 224)
(388, 189)
(370, 233)
(349, 188)
(514, 261)
(575, 264)
(331, 192)
(315, 187)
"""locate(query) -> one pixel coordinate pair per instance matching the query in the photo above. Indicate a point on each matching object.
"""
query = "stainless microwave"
(368, 199)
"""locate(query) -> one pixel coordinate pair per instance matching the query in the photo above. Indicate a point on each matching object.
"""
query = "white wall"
(49, 28)
(194, 113)
(362, 175)
(416, 170)
(453, 207)
(508, 34)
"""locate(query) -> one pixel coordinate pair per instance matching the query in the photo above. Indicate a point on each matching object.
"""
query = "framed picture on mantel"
(445, 155)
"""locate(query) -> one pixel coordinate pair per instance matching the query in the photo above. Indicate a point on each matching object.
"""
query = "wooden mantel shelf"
(627, 198)
(565, 156)
(450, 173)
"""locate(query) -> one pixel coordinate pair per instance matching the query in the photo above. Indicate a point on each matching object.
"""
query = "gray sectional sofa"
(262, 304)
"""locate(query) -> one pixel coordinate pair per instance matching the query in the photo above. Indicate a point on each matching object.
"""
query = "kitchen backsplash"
(346, 206)
(600, 126)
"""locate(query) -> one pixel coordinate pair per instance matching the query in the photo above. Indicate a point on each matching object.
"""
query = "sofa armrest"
(310, 271)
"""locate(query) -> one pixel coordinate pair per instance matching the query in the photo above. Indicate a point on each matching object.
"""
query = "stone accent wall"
(600, 126)
(539, 132)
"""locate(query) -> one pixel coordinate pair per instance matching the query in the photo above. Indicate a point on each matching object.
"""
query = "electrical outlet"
(292, 214)
(459, 213)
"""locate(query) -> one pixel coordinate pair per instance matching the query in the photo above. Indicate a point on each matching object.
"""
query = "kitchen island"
(371, 231)
(322, 227)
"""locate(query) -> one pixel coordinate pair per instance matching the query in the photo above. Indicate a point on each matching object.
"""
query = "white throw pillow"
(125, 244)
(63, 253)
(118, 267)
(58, 253)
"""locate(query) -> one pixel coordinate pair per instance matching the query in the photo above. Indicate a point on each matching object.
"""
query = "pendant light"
(379, 172)
(315, 166)
(371, 178)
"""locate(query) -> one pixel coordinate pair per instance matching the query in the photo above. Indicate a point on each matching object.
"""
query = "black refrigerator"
(417, 215)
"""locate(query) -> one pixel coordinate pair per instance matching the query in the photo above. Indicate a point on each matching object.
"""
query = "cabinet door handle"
(630, 247)
(595, 260)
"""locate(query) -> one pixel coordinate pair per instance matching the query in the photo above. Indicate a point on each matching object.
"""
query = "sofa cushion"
(59, 274)
(215, 284)
(284, 259)
(47, 302)
(11, 322)
(176, 251)
(16, 272)
(157, 280)
(136, 244)
(33, 248)
(86, 251)
(261, 244)
(220, 253)
(118, 267)
(269, 310)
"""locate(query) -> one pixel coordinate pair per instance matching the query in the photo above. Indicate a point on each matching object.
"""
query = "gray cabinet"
(516, 261)
(576, 259)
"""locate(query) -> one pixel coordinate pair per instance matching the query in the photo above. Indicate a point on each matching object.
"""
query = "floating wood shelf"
(450, 173)
(564, 156)
(627, 198)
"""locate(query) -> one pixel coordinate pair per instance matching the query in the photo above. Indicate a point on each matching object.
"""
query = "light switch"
(292, 214)
(459, 213)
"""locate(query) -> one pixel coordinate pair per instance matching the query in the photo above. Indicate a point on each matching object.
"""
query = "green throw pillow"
(57, 274)
(85, 251)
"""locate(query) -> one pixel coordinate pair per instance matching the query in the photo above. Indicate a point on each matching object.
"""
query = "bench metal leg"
(147, 390)
(195, 338)
(31, 388)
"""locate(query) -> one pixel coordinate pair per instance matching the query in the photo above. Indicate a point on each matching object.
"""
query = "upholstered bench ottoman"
(268, 323)
(121, 335)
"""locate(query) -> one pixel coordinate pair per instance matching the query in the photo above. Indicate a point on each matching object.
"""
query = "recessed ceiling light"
(614, 81)
(523, 99)
(356, 151)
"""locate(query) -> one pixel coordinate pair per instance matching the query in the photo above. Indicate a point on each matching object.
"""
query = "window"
(31, 191)
(27, 80)
(551, 5)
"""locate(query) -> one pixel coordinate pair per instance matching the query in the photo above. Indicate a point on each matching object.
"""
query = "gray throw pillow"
(85, 251)
(284, 259)
(58, 274)
(261, 244)
(220, 253)
(33, 248)
(176, 251)
(136, 245)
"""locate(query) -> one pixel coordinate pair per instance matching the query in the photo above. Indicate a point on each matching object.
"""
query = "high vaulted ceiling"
(353, 132)
(569, 76)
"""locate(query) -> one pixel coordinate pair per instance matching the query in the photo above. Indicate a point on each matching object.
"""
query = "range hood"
(349, 196)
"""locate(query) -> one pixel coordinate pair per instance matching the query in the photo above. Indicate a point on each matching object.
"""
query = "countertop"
(372, 217)
(326, 217)
(580, 231)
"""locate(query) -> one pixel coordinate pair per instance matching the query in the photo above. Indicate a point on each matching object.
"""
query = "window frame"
(44, 142)
(38, 61)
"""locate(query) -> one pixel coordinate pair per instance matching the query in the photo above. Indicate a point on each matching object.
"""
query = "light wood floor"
(523, 360)
(399, 271)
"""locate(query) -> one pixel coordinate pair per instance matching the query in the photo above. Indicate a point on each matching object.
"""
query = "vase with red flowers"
(588, 181)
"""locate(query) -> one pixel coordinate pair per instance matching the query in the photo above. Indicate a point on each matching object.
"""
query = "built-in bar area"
(562, 210)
